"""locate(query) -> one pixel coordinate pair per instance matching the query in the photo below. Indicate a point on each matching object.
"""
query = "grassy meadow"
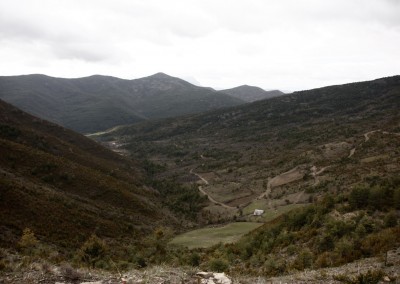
(207, 237)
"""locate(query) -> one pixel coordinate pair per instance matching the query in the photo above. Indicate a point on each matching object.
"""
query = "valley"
(300, 158)
(322, 164)
(199, 142)
(280, 153)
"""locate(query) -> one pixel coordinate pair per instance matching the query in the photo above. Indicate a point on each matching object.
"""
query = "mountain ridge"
(99, 102)
(251, 93)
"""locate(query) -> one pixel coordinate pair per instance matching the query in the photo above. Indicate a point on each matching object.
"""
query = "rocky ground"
(361, 271)
(370, 270)
(44, 273)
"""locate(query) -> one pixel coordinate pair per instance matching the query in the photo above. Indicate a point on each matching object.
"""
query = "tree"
(28, 241)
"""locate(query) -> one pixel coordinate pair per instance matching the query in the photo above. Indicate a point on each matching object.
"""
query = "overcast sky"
(284, 44)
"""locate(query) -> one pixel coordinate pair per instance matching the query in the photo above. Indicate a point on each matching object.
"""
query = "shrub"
(326, 259)
(93, 250)
(69, 273)
(371, 277)
(274, 266)
(325, 243)
(347, 250)
(390, 219)
(380, 242)
(28, 241)
(218, 265)
(194, 259)
(396, 198)
(359, 197)
(303, 260)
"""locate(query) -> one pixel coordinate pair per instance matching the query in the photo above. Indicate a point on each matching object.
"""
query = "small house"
(258, 212)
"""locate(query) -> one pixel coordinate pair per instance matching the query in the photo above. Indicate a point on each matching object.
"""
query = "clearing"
(207, 237)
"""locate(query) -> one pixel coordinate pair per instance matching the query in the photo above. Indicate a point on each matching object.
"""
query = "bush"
(218, 265)
(194, 259)
(390, 219)
(371, 277)
(303, 260)
(274, 266)
(28, 241)
(93, 250)
(359, 197)
(325, 243)
(380, 242)
(69, 273)
(396, 198)
(326, 259)
(346, 250)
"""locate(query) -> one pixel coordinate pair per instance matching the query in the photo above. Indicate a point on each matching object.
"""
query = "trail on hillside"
(281, 179)
(208, 195)
(352, 151)
(367, 136)
(287, 177)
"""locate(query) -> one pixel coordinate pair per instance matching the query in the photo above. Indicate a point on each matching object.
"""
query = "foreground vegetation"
(336, 230)
(332, 232)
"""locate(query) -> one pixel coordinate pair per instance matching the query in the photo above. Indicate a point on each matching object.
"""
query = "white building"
(258, 212)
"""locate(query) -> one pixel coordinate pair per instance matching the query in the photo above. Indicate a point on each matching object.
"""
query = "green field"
(207, 237)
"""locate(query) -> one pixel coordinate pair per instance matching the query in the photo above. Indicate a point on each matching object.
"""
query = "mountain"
(64, 186)
(97, 102)
(251, 93)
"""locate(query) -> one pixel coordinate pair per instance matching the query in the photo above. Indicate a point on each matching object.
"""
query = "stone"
(204, 274)
(221, 278)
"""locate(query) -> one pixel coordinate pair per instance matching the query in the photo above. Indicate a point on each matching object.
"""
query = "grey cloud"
(274, 43)
(85, 52)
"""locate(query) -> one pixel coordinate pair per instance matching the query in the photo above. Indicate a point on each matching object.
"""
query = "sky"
(274, 44)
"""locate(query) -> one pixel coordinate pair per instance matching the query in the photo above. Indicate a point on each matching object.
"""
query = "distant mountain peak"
(161, 75)
(247, 87)
(251, 93)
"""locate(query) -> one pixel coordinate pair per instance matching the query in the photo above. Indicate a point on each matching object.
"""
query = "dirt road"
(208, 195)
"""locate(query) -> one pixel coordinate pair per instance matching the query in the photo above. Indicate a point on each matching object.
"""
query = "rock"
(204, 274)
(213, 278)
(386, 279)
(221, 278)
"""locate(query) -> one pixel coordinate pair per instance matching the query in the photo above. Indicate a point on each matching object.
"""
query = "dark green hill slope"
(251, 93)
(356, 103)
(97, 103)
(65, 187)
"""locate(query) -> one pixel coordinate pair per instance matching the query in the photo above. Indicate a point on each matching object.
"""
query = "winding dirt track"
(285, 177)
(367, 135)
(208, 195)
